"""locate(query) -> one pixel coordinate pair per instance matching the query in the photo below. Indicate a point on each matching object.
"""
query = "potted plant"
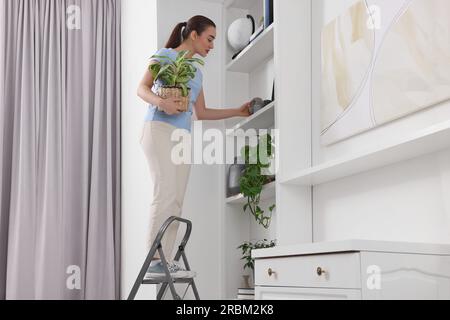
(175, 76)
(257, 160)
(254, 178)
(247, 248)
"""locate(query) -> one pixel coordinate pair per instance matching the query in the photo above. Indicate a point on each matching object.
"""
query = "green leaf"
(165, 70)
(182, 55)
(170, 60)
(176, 72)
(184, 89)
(200, 62)
(183, 79)
(154, 69)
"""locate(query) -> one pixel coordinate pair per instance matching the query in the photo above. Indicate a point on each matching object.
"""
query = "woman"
(170, 180)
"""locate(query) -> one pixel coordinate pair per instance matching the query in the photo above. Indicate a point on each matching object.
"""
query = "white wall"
(139, 42)
(403, 202)
(146, 26)
(203, 201)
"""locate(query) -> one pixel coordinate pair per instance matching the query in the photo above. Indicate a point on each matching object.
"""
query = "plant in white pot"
(175, 76)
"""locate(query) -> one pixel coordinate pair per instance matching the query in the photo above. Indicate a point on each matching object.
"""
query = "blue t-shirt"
(184, 119)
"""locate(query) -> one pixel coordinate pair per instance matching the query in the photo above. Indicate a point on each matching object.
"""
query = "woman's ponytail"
(197, 23)
(176, 38)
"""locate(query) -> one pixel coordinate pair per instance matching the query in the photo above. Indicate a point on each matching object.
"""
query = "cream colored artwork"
(346, 58)
(404, 69)
(412, 71)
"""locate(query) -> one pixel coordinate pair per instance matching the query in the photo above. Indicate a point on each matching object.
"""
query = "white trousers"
(169, 183)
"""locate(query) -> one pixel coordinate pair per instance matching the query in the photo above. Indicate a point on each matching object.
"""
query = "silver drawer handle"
(270, 272)
(320, 271)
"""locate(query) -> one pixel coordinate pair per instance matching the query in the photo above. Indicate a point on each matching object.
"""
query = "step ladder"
(166, 280)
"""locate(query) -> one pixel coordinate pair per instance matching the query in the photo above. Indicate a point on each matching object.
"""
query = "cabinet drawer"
(315, 271)
(280, 293)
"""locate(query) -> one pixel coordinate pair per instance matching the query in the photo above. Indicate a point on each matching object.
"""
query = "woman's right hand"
(170, 106)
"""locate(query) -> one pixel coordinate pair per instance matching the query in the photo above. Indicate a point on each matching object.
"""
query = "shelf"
(254, 54)
(352, 245)
(267, 193)
(242, 4)
(263, 119)
(433, 139)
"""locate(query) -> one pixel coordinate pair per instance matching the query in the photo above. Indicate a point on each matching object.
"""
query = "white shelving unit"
(256, 53)
(249, 75)
(433, 139)
(262, 119)
(267, 194)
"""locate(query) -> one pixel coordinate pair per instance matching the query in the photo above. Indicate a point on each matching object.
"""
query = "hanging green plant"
(252, 181)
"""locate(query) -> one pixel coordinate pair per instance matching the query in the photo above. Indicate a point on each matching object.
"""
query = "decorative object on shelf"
(255, 105)
(253, 178)
(367, 82)
(240, 32)
(175, 76)
(258, 31)
(268, 13)
(235, 173)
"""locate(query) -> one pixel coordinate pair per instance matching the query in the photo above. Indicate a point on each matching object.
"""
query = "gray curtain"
(60, 149)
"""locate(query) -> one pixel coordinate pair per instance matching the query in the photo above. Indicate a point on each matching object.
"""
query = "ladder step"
(156, 281)
(186, 275)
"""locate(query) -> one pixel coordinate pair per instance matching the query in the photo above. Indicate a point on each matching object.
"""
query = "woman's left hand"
(244, 110)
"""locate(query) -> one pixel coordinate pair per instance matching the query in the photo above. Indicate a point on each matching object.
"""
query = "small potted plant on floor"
(175, 76)
(247, 248)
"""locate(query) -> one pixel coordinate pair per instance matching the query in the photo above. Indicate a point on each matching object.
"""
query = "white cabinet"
(356, 269)
(405, 276)
(277, 293)
(316, 271)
